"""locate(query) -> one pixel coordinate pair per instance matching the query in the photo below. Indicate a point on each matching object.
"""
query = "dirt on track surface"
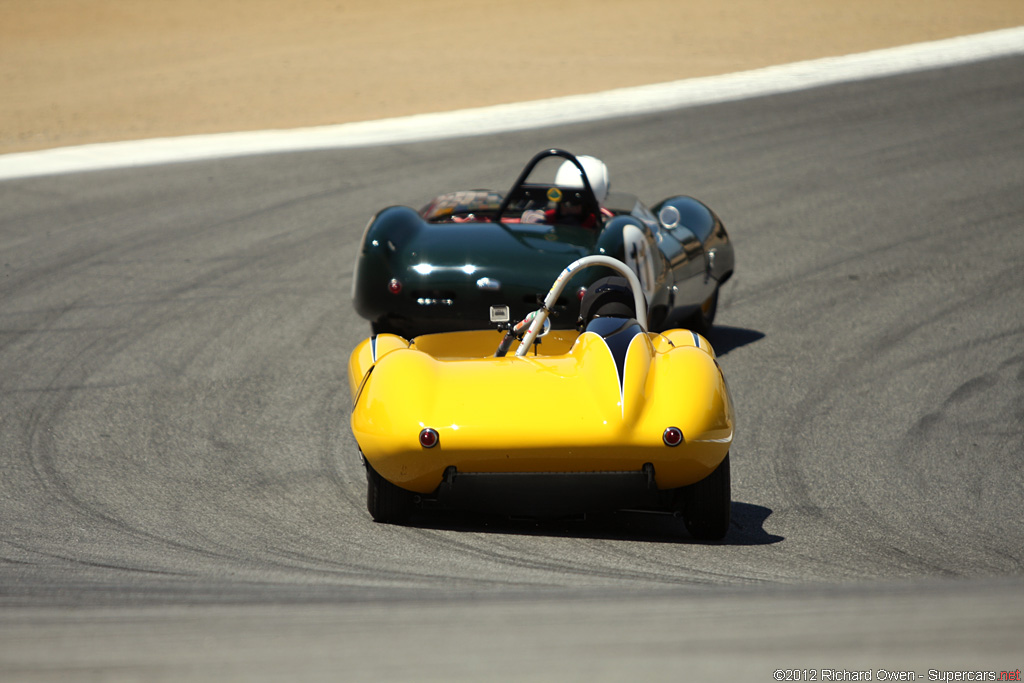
(82, 71)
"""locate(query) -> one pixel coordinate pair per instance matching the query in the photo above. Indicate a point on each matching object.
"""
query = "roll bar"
(563, 279)
(528, 169)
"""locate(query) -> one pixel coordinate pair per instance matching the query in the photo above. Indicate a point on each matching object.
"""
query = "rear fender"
(675, 338)
(386, 235)
(689, 213)
(698, 218)
(366, 355)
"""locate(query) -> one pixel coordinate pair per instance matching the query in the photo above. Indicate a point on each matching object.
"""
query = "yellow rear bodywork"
(564, 407)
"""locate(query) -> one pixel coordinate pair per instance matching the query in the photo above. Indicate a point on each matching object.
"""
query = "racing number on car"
(638, 257)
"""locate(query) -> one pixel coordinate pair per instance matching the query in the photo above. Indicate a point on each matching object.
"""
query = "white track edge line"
(521, 116)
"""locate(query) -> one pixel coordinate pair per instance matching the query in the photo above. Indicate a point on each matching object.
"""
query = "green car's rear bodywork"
(468, 257)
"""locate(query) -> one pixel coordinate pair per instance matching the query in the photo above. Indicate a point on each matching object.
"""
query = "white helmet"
(597, 173)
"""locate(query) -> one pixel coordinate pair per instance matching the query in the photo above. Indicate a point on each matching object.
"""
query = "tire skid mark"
(790, 471)
(71, 377)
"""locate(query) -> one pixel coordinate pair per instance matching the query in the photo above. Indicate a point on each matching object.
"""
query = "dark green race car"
(479, 258)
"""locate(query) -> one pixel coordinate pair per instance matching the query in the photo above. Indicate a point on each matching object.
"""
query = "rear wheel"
(383, 328)
(704, 318)
(385, 501)
(706, 504)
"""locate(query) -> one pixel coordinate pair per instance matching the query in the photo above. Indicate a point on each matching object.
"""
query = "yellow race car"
(530, 421)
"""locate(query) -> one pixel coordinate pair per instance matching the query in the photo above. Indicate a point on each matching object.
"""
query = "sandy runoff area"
(81, 71)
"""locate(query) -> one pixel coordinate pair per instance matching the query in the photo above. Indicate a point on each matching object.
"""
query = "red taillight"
(672, 436)
(580, 293)
(429, 437)
(394, 286)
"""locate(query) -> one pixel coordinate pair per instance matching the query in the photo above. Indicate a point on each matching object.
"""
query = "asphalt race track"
(182, 501)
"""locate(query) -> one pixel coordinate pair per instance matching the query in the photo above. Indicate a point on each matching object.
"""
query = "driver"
(568, 176)
(597, 173)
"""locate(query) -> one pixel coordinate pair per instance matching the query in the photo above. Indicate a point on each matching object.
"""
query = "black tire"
(383, 328)
(388, 328)
(704, 318)
(706, 505)
(386, 502)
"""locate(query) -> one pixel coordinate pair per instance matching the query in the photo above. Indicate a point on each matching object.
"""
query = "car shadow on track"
(724, 338)
(746, 528)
